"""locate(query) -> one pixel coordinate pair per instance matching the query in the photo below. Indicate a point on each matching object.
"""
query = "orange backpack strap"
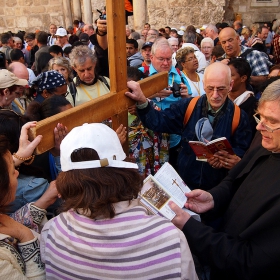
(236, 119)
(190, 109)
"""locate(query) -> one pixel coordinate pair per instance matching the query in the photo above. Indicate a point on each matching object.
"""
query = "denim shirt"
(173, 76)
(198, 174)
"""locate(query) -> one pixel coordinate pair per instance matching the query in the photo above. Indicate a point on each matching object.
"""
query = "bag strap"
(235, 119)
(102, 79)
(190, 109)
(73, 90)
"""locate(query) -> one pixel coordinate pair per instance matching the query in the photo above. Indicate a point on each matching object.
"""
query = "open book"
(158, 190)
(204, 151)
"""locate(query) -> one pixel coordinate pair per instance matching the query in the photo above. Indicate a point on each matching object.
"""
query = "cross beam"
(113, 104)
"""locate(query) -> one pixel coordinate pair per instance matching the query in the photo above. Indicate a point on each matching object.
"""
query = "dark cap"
(147, 44)
(84, 38)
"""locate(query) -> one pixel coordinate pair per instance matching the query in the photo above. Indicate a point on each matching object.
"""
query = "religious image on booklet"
(164, 186)
(204, 151)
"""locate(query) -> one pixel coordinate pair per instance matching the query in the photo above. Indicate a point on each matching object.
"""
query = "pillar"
(87, 12)
(77, 12)
(139, 14)
(67, 13)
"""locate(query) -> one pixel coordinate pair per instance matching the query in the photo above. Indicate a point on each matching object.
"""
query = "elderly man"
(161, 60)
(246, 245)
(212, 111)
(89, 29)
(88, 84)
(258, 61)
(211, 31)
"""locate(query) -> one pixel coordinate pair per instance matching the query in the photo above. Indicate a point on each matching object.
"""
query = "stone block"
(2, 22)
(242, 9)
(2, 3)
(10, 22)
(11, 3)
(37, 10)
(35, 21)
(56, 2)
(2, 12)
(9, 12)
(37, 3)
(45, 2)
(25, 2)
(22, 22)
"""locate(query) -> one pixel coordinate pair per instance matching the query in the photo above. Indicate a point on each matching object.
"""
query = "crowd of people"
(74, 213)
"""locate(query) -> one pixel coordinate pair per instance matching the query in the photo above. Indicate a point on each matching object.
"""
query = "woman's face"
(11, 95)
(191, 62)
(207, 50)
(13, 174)
(30, 42)
(62, 70)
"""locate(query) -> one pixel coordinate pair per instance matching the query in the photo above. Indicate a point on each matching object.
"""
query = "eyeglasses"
(266, 127)
(162, 59)
(218, 89)
(191, 59)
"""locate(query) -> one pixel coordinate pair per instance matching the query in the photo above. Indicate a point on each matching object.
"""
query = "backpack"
(73, 89)
(235, 119)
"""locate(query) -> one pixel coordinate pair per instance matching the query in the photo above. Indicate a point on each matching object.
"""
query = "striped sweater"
(132, 245)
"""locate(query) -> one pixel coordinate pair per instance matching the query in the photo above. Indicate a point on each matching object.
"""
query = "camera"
(176, 90)
(101, 15)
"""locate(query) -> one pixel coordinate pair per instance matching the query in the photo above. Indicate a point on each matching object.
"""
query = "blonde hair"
(61, 61)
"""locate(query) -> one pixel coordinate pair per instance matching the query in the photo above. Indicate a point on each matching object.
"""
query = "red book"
(204, 151)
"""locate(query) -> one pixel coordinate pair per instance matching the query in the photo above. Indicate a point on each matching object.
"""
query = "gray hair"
(207, 40)
(213, 27)
(271, 93)
(61, 61)
(135, 35)
(17, 39)
(80, 54)
(160, 43)
(189, 37)
(276, 26)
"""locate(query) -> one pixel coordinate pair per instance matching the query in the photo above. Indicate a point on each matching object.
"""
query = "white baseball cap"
(99, 137)
(61, 32)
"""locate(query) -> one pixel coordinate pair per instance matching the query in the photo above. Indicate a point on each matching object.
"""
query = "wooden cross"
(112, 105)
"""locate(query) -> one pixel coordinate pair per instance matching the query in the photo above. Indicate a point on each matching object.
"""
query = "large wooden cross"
(113, 104)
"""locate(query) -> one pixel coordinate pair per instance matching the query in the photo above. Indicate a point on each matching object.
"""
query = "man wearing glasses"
(246, 245)
(161, 60)
(213, 113)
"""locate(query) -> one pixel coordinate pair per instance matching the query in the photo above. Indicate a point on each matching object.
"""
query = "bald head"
(19, 69)
(88, 29)
(230, 42)
(217, 83)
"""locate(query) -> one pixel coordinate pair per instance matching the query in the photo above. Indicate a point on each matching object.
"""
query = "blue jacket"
(197, 174)
(173, 76)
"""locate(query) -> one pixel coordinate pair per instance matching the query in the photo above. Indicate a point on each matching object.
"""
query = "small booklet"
(204, 151)
(164, 186)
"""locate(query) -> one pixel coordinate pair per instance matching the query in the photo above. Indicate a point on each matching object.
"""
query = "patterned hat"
(48, 80)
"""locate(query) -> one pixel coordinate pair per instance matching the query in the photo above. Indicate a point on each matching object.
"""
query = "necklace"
(198, 80)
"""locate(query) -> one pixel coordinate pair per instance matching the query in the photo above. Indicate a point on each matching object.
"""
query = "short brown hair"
(96, 189)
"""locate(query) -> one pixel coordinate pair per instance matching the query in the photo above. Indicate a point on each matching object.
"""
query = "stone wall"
(30, 15)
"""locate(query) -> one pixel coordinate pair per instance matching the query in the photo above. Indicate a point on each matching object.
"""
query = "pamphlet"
(166, 185)
(204, 151)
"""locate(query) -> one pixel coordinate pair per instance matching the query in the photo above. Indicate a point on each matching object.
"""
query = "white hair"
(207, 40)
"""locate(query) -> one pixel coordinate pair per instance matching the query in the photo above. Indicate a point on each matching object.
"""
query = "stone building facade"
(30, 15)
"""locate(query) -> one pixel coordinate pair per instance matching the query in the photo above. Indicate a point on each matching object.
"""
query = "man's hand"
(225, 61)
(199, 201)
(227, 160)
(132, 110)
(184, 91)
(136, 92)
(215, 163)
(60, 131)
(163, 93)
(122, 133)
(181, 216)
